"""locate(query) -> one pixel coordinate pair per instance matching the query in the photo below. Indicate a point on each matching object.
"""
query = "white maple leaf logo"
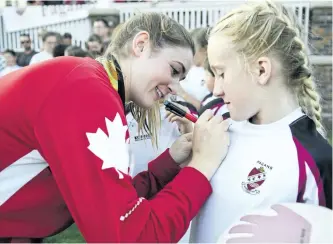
(112, 149)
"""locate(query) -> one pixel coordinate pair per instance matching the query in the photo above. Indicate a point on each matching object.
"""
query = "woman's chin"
(145, 103)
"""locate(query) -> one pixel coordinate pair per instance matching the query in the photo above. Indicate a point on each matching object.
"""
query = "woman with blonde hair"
(64, 143)
(277, 153)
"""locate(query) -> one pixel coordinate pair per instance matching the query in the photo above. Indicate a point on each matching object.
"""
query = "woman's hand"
(181, 149)
(184, 125)
(210, 143)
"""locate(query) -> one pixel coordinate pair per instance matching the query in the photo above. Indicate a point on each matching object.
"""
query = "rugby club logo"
(256, 178)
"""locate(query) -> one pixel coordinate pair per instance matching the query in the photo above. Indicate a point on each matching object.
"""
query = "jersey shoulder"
(305, 132)
(314, 150)
(85, 78)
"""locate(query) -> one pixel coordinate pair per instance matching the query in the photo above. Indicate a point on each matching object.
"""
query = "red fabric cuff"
(164, 167)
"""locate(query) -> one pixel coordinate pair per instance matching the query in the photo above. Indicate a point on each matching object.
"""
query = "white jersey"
(143, 151)
(194, 83)
(141, 145)
(39, 57)
(286, 161)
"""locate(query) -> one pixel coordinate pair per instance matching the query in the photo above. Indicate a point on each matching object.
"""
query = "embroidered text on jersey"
(112, 149)
(142, 137)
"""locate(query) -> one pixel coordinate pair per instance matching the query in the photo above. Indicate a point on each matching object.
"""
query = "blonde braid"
(301, 80)
(308, 97)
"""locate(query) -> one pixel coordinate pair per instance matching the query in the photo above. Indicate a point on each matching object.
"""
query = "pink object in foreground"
(292, 223)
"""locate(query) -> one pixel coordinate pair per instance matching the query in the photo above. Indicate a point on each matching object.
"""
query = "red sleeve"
(80, 137)
(160, 172)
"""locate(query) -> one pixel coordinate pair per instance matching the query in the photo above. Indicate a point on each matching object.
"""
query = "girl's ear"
(263, 70)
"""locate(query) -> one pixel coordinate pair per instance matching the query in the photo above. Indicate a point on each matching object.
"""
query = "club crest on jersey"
(256, 178)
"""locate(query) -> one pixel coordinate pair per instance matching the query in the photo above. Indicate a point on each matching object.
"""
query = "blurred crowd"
(55, 45)
(60, 2)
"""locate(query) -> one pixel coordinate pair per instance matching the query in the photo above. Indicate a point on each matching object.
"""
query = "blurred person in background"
(210, 101)
(41, 33)
(67, 39)
(216, 104)
(24, 58)
(75, 1)
(50, 40)
(11, 65)
(102, 29)
(77, 52)
(192, 91)
(94, 45)
(52, 2)
(59, 50)
(35, 2)
(194, 82)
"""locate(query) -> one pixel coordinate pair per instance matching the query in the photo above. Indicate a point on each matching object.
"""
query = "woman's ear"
(264, 70)
(140, 44)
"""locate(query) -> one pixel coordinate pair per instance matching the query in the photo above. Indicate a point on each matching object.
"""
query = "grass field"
(73, 235)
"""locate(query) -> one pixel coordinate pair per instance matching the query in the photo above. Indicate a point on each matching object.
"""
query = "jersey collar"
(115, 75)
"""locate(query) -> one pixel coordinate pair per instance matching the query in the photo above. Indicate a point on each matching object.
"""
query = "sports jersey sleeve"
(318, 187)
(81, 133)
(160, 172)
(315, 171)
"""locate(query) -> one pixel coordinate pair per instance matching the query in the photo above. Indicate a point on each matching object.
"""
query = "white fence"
(205, 14)
(60, 18)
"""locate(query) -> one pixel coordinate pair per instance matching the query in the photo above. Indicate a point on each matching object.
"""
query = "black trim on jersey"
(15, 240)
(304, 129)
(188, 105)
(127, 108)
(210, 105)
(121, 85)
(206, 97)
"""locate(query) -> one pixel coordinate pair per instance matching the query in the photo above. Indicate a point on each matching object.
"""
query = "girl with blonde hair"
(277, 152)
